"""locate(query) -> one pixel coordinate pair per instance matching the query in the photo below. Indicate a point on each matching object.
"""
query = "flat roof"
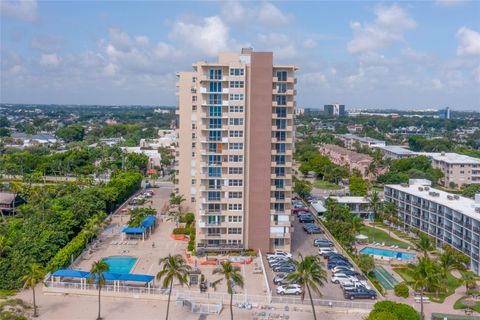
(397, 150)
(451, 157)
(463, 205)
(364, 139)
(350, 199)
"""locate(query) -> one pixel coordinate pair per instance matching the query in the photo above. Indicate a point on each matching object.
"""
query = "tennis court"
(386, 279)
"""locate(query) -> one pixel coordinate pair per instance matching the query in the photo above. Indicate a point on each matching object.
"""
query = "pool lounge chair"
(383, 244)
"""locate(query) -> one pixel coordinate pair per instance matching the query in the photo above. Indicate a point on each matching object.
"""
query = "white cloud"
(234, 12)
(210, 36)
(468, 42)
(437, 84)
(309, 43)
(47, 43)
(270, 15)
(49, 60)
(389, 26)
(313, 78)
(280, 44)
(25, 10)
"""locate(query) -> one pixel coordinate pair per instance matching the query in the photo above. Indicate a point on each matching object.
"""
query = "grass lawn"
(452, 284)
(460, 305)
(320, 184)
(380, 236)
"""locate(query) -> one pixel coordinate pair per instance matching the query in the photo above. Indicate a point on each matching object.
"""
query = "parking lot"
(303, 243)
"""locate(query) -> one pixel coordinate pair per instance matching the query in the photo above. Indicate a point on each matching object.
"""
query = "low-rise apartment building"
(342, 156)
(396, 152)
(449, 219)
(359, 206)
(351, 140)
(458, 169)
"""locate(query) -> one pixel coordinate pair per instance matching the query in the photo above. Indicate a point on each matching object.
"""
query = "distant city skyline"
(405, 55)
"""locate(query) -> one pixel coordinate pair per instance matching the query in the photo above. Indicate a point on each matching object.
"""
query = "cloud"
(209, 37)
(47, 44)
(49, 60)
(271, 16)
(309, 43)
(468, 42)
(280, 44)
(389, 26)
(25, 10)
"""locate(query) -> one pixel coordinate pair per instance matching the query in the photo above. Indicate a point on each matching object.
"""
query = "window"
(279, 195)
(213, 207)
(235, 170)
(214, 172)
(235, 121)
(194, 98)
(235, 182)
(281, 100)
(194, 145)
(234, 206)
(214, 98)
(280, 147)
(237, 84)
(213, 195)
(279, 171)
(280, 159)
(192, 200)
(236, 96)
(281, 87)
(279, 242)
(281, 112)
(281, 123)
(214, 135)
(215, 111)
(194, 135)
(194, 126)
(235, 158)
(194, 181)
(238, 242)
(281, 75)
(194, 79)
(235, 195)
(236, 109)
(214, 184)
(214, 123)
(279, 207)
(236, 72)
(194, 107)
(234, 230)
(215, 74)
(214, 160)
(235, 146)
(234, 218)
(235, 134)
(215, 87)
(279, 183)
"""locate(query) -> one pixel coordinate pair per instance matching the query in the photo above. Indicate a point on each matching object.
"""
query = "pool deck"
(387, 260)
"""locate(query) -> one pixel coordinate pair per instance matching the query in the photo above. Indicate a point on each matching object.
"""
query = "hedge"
(401, 290)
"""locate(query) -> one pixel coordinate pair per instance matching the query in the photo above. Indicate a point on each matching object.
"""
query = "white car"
(279, 253)
(342, 278)
(290, 289)
(338, 269)
(324, 250)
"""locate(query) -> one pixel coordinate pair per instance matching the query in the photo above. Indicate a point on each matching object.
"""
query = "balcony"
(280, 235)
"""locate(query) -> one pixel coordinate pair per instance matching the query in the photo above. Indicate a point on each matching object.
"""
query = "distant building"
(350, 140)
(334, 110)
(24, 140)
(359, 206)
(457, 168)
(154, 157)
(396, 152)
(444, 113)
(9, 201)
(299, 111)
(355, 128)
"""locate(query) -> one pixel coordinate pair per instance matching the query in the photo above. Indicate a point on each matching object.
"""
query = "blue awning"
(71, 273)
(148, 221)
(134, 230)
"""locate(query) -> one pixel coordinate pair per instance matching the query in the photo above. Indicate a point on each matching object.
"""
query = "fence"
(324, 303)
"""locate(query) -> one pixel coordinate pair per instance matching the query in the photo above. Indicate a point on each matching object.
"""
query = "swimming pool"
(120, 264)
(388, 253)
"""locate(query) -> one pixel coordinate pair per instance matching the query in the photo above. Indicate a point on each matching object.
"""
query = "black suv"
(360, 294)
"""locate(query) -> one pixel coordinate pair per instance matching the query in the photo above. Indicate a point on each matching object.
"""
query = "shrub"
(390, 310)
(401, 290)
(188, 218)
(376, 284)
(251, 253)
(184, 231)
(191, 245)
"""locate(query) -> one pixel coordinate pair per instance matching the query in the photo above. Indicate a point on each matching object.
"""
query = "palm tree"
(232, 275)
(424, 244)
(390, 212)
(419, 282)
(174, 267)
(34, 274)
(309, 274)
(5, 244)
(177, 200)
(374, 205)
(468, 279)
(448, 262)
(96, 275)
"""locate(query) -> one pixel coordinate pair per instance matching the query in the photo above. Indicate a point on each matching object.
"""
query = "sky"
(359, 53)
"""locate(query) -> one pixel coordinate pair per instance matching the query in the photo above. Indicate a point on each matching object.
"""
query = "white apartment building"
(350, 140)
(235, 150)
(396, 152)
(458, 169)
(449, 219)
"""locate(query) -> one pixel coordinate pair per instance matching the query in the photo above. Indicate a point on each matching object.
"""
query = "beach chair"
(383, 244)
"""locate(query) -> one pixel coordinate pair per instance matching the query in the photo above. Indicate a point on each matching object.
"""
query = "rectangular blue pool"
(388, 253)
(120, 264)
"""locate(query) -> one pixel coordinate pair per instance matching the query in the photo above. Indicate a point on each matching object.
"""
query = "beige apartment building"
(234, 157)
(458, 169)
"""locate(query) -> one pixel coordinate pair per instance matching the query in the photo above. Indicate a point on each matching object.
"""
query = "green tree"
(96, 275)
(424, 244)
(469, 279)
(310, 275)
(375, 204)
(390, 310)
(302, 187)
(232, 276)
(366, 263)
(34, 274)
(448, 262)
(71, 133)
(390, 214)
(173, 267)
(358, 186)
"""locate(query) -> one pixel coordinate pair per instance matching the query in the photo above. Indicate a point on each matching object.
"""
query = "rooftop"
(363, 139)
(397, 150)
(451, 157)
(463, 205)
(349, 199)
(353, 156)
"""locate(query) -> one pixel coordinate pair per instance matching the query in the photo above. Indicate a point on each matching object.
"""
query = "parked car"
(342, 278)
(285, 268)
(349, 272)
(313, 230)
(322, 243)
(322, 251)
(279, 253)
(353, 286)
(279, 278)
(280, 263)
(360, 294)
(337, 267)
(301, 209)
(289, 289)
(306, 219)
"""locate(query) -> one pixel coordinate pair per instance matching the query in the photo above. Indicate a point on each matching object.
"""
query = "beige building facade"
(235, 150)
(457, 169)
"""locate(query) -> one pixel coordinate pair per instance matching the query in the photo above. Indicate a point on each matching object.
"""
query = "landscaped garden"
(380, 236)
(322, 184)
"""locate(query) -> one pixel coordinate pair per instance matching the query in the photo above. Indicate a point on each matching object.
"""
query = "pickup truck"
(355, 284)
(278, 253)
